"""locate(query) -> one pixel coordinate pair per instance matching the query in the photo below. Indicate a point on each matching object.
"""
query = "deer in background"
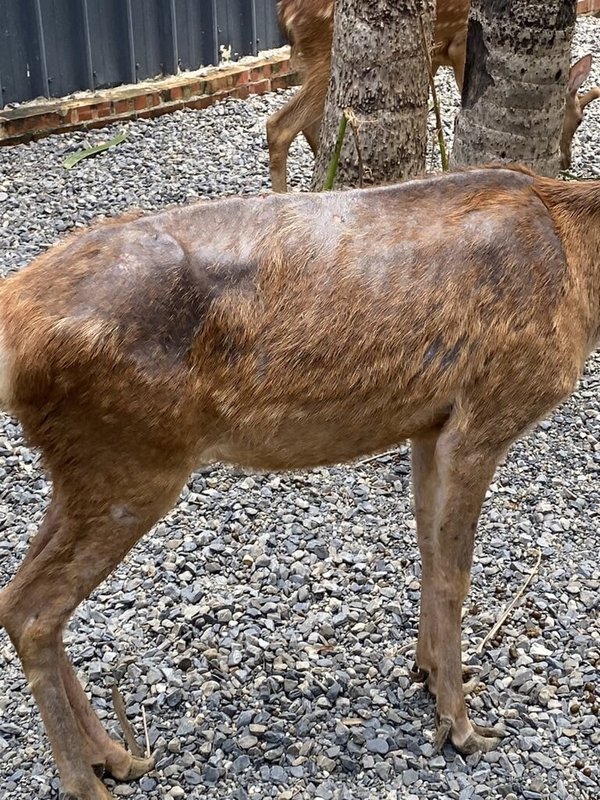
(453, 311)
(308, 24)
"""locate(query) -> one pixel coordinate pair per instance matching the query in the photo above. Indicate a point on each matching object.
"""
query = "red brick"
(140, 103)
(280, 66)
(259, 73)
(85, 113)
(217, 83)
(176, 93)
(42, 122)
(242, 92)
(204, 101)
(104, 109)
(283, 82)
(260, 87)
(123, 106)
(241, 78)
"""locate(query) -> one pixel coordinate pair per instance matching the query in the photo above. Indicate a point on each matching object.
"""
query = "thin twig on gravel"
(146, 737)
(128, 732)
(377, 457)
(506, 613)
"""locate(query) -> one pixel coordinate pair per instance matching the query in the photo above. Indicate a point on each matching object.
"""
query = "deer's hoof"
(417, 675)
(135, 769)
(480, 739)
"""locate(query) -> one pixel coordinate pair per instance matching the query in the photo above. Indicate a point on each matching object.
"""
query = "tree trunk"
(516, 73)
(379, 72)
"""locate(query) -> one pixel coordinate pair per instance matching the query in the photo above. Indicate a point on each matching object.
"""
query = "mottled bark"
(515, 82)
(378, 70)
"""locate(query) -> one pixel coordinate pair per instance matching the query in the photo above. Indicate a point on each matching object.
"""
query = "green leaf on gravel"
(75, 158)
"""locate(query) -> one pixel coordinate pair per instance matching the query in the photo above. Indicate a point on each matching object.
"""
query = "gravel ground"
(263, 626)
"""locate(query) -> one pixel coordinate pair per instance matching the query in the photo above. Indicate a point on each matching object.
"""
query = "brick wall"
(588, 7)
(149, 99)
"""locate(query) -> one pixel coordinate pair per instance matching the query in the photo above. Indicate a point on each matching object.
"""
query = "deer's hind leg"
(100, 517)
(452, 472)
(302, 113)
(426, 493)
(311, 134)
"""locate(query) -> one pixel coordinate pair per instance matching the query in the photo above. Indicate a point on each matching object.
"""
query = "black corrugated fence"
(52, 48)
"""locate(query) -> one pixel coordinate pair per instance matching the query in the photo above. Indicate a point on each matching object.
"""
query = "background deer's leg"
(93, 533)
(303, 111)
(311, 134)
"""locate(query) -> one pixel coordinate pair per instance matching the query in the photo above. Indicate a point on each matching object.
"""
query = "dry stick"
(506, 613)
(146, 737)
(128, 733)
(436, 103)
(351, 117)
(406, 648)
(377, 457)
(335, 159)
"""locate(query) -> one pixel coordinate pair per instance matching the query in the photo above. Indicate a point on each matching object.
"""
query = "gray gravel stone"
(378, 746)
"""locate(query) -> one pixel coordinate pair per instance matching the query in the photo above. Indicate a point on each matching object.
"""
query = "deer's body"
(308, 25)
(269, 339)
(283, 332)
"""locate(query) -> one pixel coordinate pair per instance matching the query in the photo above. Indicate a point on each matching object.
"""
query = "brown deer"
(453, 311)
(575, 104)
(308, 24)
